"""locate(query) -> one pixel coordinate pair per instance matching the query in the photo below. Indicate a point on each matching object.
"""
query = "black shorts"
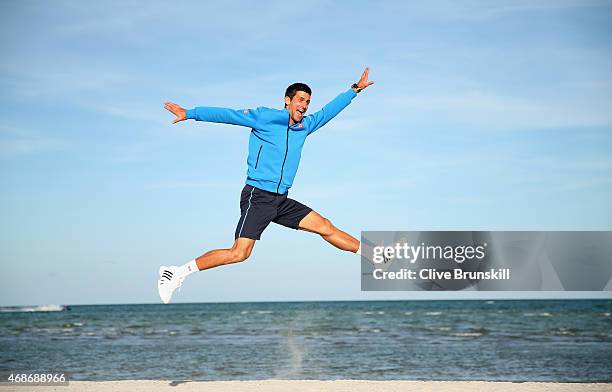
(258, 208)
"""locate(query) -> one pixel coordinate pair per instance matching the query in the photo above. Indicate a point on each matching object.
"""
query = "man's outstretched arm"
(246, 117)
(331, 110)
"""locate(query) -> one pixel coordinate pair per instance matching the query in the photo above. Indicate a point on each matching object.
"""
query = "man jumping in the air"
(275, 147)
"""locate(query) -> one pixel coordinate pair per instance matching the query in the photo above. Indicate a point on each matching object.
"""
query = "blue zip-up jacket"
(275, 147)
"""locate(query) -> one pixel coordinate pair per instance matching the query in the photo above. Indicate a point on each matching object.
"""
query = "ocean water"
(536, 340)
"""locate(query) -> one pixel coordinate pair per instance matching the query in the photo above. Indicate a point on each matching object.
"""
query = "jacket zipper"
(257, 161)
(286, 151)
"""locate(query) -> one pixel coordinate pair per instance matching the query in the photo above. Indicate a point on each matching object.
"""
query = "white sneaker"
(169, 280)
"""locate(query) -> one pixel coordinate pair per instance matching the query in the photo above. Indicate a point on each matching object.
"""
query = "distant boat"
(35, 308)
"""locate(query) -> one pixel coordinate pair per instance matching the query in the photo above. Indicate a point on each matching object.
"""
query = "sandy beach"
(314, 386)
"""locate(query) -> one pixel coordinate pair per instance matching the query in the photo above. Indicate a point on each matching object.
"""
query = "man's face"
(297, 106)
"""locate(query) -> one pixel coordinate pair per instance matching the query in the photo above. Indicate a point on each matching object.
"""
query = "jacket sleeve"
(329, 111)
(243, 117)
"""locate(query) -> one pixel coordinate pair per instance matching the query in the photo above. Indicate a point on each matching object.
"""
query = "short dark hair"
(295, 87)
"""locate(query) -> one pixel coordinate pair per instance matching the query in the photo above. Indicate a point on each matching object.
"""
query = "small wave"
(137, 326)
(21, 328)
(380, 312)
(39, 308)
(566, 333)
(197, 331)
(444, 329)
(607, 314)
(244, 312)
(490, 302)
(407, 313)
(569, 331)
(368, 312)
(433, 313)
(376, 330)
(472, 332)
(467, 334)
(71, 325)
(541, 314)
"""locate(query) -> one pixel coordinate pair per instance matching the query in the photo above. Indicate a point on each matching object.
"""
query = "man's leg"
(172, 277)
(315, 223)
(256, 212)
(240, 251)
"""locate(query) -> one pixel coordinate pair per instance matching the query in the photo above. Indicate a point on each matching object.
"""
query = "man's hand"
(364, 82)
(178, 111)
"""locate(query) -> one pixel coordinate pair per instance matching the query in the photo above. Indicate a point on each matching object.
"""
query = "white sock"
(188, 268)
(359, 250)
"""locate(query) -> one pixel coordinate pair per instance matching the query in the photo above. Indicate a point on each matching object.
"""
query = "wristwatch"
(357, 89)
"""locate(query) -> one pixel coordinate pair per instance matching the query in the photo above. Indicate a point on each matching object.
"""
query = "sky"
(483, 116)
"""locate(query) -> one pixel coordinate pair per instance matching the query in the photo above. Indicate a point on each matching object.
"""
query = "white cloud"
(474, 10)
(196, 184)
(16, 141)
(64, 78)
(137, 111)
(491, 111)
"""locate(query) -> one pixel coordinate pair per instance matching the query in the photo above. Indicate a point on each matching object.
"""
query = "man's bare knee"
(239, 254)
(327, 227)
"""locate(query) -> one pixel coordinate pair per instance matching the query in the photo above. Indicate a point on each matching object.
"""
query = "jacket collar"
(296, 125)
